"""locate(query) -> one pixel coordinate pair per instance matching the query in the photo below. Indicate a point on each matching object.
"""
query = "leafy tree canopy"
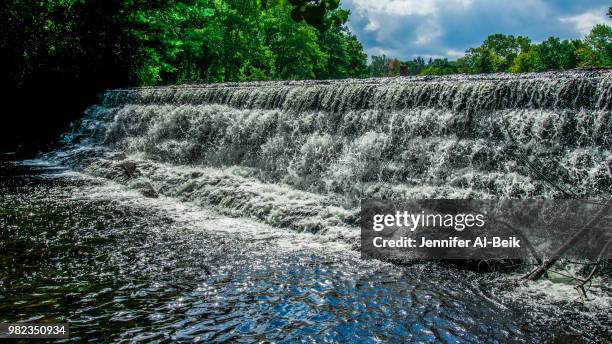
(322, 14)
(53, 49)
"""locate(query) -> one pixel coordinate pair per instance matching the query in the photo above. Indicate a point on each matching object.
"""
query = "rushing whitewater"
(149, 240)
(301, 154)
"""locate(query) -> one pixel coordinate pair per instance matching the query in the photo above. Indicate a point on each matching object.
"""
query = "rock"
(129, 167)
(144, 187)
(118, 156)
(149, 192)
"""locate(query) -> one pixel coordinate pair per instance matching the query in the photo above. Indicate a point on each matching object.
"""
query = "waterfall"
(332, 143)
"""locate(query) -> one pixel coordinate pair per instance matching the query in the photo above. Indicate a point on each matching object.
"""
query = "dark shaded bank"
(55, 57)
(35, 118)
(122, 267)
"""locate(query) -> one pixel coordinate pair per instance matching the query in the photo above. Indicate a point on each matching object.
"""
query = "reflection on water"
(118, 266)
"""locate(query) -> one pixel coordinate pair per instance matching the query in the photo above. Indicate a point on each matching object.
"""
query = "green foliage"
(526, 61)
(294, 46)
(501, 53)
(440, 67)
(322, 14)
(163, 41)
(380, 66)
(554, 54)
(597, 48)
(482, 60)
(496, 54)
(415, 66)
(345, 55)
(239, 40)
(63, 52)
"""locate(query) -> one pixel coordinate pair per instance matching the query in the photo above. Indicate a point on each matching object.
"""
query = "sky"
(446, 28)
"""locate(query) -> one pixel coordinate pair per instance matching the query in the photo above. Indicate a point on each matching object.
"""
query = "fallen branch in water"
(587, 279)
(540, 271)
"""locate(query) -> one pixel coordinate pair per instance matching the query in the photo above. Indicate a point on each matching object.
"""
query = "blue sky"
(446, 28)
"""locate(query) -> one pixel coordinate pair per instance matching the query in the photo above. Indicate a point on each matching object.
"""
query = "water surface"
(122, 267)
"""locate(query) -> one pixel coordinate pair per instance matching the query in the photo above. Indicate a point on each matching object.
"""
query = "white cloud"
(373, 25)
(584, 22)
(454, 53)
(427, 32)
(405, 7)
(396, 7)
(393, 24)
(446, 28)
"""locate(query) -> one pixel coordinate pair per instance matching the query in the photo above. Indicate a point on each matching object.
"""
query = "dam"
(218, 212)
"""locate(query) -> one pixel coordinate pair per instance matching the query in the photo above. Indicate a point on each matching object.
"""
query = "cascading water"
(302, 154)
(135, 253)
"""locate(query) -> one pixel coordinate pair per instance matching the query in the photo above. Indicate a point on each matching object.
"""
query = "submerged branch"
(537, 273)
(592, 273)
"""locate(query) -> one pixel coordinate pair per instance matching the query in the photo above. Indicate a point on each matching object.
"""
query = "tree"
(554, 54)
(496, 54)
(294, 46)
(597, 48)
(346, 56)
(321, 14)
(379, 65)
(440, 67)
(415, 66)
(506, 47)
(526, 61)
(483, 60)
(393, 67)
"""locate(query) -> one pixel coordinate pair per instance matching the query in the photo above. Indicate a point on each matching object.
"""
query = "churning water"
(230, 211)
